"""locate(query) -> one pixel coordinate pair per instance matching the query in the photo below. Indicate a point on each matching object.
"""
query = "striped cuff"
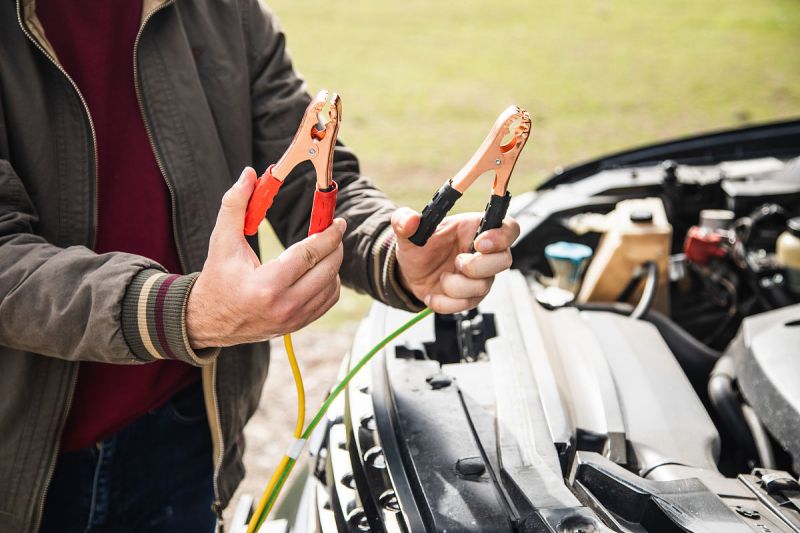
(154, 318)
(384, 273)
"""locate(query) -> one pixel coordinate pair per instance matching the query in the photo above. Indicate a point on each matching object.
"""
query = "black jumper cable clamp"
(499, 152)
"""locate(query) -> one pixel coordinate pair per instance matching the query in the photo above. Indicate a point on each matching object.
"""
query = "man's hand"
(236, 299)
(443, 273)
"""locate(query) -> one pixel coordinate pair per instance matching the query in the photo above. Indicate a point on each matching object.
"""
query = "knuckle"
(332, 274)
(337, 289)
(469, 268)
(282, 314)
(447, 280)
(310, 256)
(229, 199)
(268, 295)
(263, 292)
(336, 284)
(507, 259)
(294, 325)
(486, 286)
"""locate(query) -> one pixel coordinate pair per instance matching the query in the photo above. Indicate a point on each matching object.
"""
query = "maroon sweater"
(94, 42)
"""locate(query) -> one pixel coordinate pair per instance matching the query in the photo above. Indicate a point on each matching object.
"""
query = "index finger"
(302, 256)
(498, 239)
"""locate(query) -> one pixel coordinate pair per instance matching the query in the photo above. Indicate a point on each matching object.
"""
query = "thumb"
(230, 219)
(405, 222)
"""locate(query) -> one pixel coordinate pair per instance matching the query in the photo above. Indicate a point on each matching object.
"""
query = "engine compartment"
(723, 266)
(636, 371)
(718, 275)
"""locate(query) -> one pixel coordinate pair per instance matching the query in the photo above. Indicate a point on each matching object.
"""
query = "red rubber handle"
(260, 201)
(322, 211)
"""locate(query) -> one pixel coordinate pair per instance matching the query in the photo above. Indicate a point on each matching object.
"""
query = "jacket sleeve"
(74, 304)
(279, 98)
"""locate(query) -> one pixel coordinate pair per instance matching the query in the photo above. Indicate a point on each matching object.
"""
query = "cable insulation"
(298, 431)
(287, 464)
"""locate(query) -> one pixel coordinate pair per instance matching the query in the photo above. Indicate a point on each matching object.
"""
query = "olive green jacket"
(217, 92)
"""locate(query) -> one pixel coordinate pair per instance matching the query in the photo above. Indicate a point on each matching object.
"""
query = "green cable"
(329, 400)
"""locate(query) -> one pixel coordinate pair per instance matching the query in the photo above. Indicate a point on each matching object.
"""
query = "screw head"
(368, 422)
(470, 466)
(348, 481)
(374, 457)
(389, 501)
(747, 512)
(577, 524)
(311, 151)
(497, 161)
(357, 519)
(439, 381)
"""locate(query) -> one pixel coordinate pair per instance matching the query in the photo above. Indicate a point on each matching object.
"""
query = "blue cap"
(567, 251)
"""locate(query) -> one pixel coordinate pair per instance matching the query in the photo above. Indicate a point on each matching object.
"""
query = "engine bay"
(637, 369)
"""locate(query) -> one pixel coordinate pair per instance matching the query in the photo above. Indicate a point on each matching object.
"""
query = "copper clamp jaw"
(314, 141)
(513, 124)
(499, 153)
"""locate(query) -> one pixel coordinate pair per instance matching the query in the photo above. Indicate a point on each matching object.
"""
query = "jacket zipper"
(74, 379)
(55, 62)
(209, 376)
(52, 467)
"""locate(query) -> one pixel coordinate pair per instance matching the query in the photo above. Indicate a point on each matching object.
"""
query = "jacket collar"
(26, 15)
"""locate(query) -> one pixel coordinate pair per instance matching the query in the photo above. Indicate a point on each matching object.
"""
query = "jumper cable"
(314, 141)
(499, 152)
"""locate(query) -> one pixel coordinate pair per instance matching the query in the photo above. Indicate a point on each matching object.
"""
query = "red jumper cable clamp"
(499, 152)
(314, 141)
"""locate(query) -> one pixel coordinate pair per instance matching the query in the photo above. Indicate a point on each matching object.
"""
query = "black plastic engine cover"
(768, 369)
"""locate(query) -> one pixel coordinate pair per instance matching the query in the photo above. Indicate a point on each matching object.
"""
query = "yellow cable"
(286, 465)
(298, 383)
(298, 431)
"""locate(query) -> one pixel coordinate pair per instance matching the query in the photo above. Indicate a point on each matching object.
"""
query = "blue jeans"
(153, 476)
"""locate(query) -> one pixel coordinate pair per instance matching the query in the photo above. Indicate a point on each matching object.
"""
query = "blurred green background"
(423, 81)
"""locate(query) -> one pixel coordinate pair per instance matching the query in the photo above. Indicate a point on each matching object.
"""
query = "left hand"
(443, 273)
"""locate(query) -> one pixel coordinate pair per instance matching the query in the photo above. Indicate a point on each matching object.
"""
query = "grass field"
(422, 81)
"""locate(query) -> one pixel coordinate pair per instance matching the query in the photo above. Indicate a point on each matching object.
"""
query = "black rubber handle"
(494, 214)
(444, 200)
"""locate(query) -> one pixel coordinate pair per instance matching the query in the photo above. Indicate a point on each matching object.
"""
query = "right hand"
(237, 300)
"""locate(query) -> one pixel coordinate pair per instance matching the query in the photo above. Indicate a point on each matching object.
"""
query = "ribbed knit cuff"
(385, 275)
(154, 318)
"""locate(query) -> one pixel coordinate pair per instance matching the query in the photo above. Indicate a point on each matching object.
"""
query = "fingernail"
(427, 300)
(459, 263)
(240, 181)
(341, 224)
(485, 245)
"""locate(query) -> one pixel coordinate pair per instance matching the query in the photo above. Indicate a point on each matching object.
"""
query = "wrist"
(202, 329)
(404, 286)
(154, 317)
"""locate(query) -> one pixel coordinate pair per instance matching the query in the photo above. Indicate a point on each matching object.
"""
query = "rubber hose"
(723, 398)
(760, 438)
(649, 291)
